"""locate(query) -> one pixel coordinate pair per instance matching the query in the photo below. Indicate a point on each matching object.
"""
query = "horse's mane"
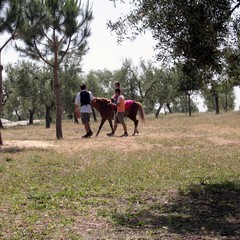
(104, 100)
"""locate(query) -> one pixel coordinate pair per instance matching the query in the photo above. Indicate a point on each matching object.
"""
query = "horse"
(104, 107)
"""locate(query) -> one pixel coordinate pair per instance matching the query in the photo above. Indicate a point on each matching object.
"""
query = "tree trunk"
(217, 104)
(1, 141)
(226, 103)
(1, 125)
(18, 116)
(169, 108)
(48, 116)
(31, 114)
(189, 105)
(1, 98)
(158, 110)
(57, 88)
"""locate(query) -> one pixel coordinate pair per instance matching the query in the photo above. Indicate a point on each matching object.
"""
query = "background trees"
(11, 19)
(24, 89)
(157, 88)
(190, 34)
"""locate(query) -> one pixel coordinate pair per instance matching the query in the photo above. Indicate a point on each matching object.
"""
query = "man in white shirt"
(84, 99)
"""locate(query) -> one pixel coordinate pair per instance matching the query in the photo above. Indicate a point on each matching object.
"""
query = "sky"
(104, 51)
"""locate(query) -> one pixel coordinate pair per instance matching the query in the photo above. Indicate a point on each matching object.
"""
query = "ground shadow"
(203, 210)
(10, 149)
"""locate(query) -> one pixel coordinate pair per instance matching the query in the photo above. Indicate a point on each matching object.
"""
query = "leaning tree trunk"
(168, 107)
(18, 116)
(57, 88)
(158, 110)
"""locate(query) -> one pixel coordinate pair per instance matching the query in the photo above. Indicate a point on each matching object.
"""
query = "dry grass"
(177, 179)
(212, 128)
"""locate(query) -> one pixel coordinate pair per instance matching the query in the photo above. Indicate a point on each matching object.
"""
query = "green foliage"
(232, 57)
(128, 79)
(225, 93)
(30, 86)
(179, 104)
(70, 81)
(189, 30)
(154, 87)
(25, 91)
(55, 26)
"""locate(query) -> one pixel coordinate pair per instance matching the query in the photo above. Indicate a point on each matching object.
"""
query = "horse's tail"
(141, 111)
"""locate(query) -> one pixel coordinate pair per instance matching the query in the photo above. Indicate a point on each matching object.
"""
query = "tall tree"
(53, 29)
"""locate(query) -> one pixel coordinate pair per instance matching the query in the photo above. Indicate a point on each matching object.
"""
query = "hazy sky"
(104, 51)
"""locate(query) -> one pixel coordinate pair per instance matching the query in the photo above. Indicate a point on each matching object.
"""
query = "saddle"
(128, 104)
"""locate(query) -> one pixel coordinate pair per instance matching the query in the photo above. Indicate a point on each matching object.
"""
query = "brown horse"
(104, 107)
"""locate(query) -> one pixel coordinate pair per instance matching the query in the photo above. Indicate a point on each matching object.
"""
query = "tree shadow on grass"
(10, 149)
(203, 210)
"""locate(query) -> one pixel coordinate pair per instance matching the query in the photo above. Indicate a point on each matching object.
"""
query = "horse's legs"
(110, 123)
(135, 127)
(100, 126)
(132, 115)
(133, 118)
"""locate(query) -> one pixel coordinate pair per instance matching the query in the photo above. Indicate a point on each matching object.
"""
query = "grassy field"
(178, 179)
